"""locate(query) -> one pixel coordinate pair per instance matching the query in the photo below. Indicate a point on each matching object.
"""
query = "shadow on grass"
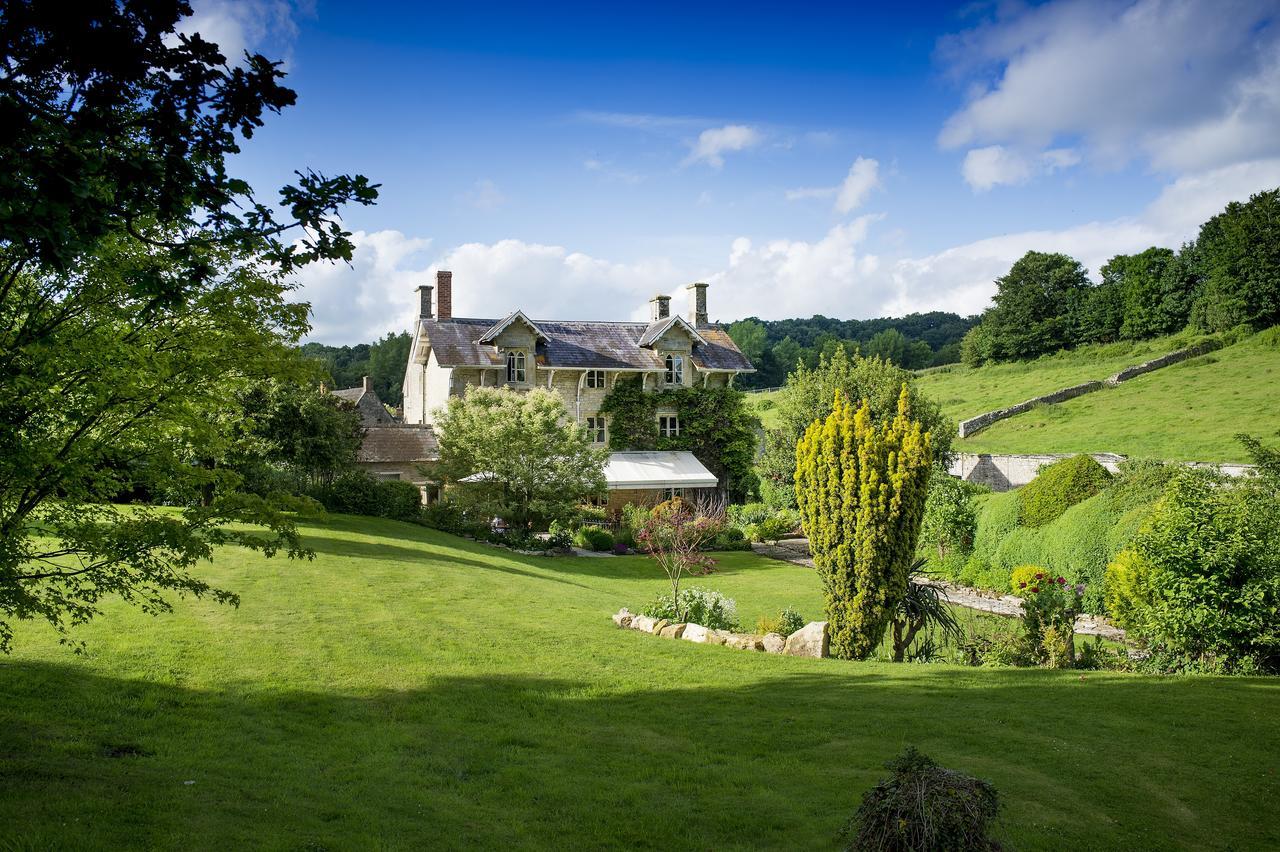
(1104, 762)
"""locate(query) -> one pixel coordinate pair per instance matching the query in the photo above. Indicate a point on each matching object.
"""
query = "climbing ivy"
(715, 425)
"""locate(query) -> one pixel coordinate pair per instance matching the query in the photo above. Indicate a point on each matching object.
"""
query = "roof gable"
(655, 331)
(515, 316)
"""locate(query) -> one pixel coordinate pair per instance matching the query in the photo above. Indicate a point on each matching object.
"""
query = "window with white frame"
(595, 378)
(672, 493)
(669, 426)
(596, 429)
(675, 370)
(516, 366)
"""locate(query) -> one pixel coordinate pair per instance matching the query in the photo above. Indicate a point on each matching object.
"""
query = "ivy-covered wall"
(715, 425)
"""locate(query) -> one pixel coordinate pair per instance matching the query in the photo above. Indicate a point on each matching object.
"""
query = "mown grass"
(1188, 412)
(407, 689)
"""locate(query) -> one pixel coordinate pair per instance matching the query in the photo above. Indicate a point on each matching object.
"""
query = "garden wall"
(973, 425)
(1006, 472)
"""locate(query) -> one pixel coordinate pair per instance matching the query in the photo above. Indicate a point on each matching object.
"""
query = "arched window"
(515, 366)
(675, 370)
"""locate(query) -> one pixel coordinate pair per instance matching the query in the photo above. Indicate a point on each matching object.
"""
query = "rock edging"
(812, 640)
(973, 425)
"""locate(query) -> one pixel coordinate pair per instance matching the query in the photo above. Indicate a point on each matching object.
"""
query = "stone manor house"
(579, 360)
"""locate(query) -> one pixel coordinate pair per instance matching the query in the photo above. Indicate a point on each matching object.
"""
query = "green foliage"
(535, 463)
(923, 807)
(730, 538)
(594, 538)
(312, 434)
(861, 488)
(1238, 253)
(1029, 315)
(950, 516)
(716, 425)
(1058, 487)
(809, 391)
(748, 513)
(358, 493)
(997, 518)
(1049, 609)
(696, 606)
(922, 607)
(1157, 288)
(751, 337)
(1202, 580)
(382, 361)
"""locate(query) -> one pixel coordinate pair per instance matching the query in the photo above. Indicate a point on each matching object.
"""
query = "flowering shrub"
(697, 606)
(674, 533)
(1049, 609)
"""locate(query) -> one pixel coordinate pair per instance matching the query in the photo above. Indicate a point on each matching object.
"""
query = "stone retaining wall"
(973, 425)
(812, 640)
(1009, 471)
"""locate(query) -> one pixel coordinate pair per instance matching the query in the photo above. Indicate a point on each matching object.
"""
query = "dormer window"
(516, 366)
(675, 370)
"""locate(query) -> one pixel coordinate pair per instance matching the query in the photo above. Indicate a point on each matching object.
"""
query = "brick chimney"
(659, 308)
(424, 301)
(698, 304)
(366, 383)
(444, 295)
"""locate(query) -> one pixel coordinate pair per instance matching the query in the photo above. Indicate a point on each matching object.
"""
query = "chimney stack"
(367, 384)
(659, 308)
(698, 304)
(444, 295)
(424, 301)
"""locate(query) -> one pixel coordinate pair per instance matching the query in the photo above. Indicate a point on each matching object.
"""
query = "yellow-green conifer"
(861, 489)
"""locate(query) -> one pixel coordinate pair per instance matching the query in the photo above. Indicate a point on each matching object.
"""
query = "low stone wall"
(973, 425)
(1010, 471)
(1164, 361)
(812, 640)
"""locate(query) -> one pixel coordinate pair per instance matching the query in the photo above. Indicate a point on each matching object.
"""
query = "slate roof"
(368, 403)
(399, 442)
(571, 343)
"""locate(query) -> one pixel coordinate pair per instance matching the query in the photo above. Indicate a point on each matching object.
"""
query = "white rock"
(744, 642)
(695, 633)
(812, 640)
(672, 631)
(643, 622)
(623, 617)
(774, 642)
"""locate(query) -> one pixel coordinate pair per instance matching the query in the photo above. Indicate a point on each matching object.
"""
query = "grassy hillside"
(408, 689)
(1190, 411)
(965, 392)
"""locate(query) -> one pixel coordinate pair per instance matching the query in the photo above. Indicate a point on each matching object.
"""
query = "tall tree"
(1031, 312)
(141, 286)
(751, 337)
(861, 488)
(1238, 254)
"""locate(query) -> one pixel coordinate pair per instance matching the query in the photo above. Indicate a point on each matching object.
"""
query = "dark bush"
(358, 493)
(730, 538)
(594, 538)
(1058, 487)
(924, 807)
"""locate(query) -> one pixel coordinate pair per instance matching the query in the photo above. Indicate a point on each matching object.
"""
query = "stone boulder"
(643, 623)
(672, 631)
(623, 617)
(774, 642)
(658, 625)
(718, 637)
(696, 633)
(744, 642)
(812, 640)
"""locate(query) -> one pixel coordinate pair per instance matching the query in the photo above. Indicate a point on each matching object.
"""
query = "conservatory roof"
(627, 471)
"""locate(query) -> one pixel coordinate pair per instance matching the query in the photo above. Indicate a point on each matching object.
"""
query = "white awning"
(630, 471)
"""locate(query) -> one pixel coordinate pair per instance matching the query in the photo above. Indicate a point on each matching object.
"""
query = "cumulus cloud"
(1188, 85)
(237, 26)
(712, 144)
(996, 165)
(863, 177)
(836, 274)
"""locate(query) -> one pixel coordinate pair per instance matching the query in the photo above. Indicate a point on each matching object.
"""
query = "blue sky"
(572, 160)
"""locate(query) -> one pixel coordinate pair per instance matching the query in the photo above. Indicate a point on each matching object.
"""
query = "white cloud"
(237, 26)
(713, 143)
(484, 195)
(1184, 84)
(996, 165)
(836, 274)
(863, 177)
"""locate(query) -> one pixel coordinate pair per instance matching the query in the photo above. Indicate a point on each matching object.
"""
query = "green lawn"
(768, 412)
(1189, 412)
(408, 690)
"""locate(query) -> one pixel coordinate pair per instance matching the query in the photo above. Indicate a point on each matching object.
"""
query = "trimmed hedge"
(1058, 487)
(358, 493)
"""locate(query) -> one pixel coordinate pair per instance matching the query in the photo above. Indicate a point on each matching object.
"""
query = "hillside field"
(408, 689)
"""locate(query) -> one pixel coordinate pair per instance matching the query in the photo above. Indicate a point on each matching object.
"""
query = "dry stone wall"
(973, 425)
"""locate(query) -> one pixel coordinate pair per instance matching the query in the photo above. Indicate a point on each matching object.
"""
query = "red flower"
(1022, 585)
(1035, 588)
(1039, 575)
(1062, 581)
